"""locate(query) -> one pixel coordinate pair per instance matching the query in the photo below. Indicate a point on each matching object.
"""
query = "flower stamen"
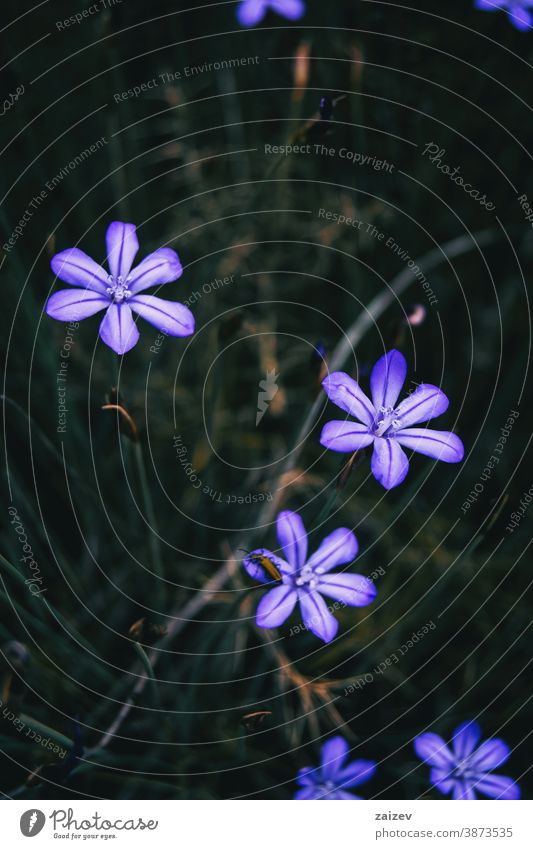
(118, 289)
(386, 419)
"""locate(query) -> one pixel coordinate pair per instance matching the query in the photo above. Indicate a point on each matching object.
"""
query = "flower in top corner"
(387, 425)
(334, 776)
(119, 291)
(252, 12)
(520, 12)
(465, 768)
(304, 580)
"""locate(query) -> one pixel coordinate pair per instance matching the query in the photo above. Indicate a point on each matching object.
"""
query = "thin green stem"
(155, 547)
(328, 506)
(148, 668)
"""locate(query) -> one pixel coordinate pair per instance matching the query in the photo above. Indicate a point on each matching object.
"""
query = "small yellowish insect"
(267, 564)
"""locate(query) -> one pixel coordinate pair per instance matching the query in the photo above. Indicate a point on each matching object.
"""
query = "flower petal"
(291, 9)
(258, 572)
(276, 606)
(389, 463)
(292, 537)
(425, 403)
(498, 787)
(520, 18)
(343, 391)
(307, 776)
(345, 436)
(118, 330)
(442, 780)
(122, 245)
(433, 750)
(336, 549)
(354, 590)
(355, 773)
(75, 304)
(465, 738)
(438, 444)
(161, 266)
(332, 757)
(76, 268)
(387, 379)
(463, 790)
(490, 5)
(316, 616)
(490, 755)
(169, 317)
(251, 12)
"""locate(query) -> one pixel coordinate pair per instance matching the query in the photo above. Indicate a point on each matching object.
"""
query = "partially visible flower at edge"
(329, 780)
(252, 12)
(467, 767)
(119, 291)
(305, 580)
(386, 425)
(517, 10)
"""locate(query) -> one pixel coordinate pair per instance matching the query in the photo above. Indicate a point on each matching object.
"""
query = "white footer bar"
(268, 825)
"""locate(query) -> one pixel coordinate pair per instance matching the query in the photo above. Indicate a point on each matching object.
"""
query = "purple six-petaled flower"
(334, 775)
(466, 767)
(305, 580)
(119, 291)
(386, 424)
(520, 11)
(252, 12)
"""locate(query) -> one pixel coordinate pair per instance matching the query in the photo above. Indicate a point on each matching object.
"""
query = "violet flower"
(387, 425)
(333, 775)
(517, 10)
(305, 580)
(119, 292)
(252, 12)
(467, 767)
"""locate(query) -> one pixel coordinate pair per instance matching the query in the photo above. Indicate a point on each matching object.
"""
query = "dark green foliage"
(186, 162)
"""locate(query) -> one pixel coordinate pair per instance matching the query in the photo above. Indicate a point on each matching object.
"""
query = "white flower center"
(464, 770)
(326, 787)
(386, 422)
(306, 578)
(118, 289)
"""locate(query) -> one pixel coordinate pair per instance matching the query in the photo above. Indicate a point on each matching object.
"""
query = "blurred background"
(136, 653)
